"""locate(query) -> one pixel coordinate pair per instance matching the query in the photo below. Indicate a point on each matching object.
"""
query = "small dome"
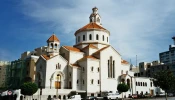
(91, 26)
(53, 38)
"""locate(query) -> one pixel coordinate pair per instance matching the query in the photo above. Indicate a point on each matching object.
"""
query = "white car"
(75, 97)
(113, 95)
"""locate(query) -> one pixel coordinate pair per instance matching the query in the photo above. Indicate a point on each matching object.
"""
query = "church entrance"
(58, 81)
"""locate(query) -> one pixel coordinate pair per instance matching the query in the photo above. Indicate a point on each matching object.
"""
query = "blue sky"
(138, 27)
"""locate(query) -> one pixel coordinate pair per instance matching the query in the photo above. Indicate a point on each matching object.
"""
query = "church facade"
(91, 66)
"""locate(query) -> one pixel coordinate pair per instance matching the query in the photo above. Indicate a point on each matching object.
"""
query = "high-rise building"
(168, 56)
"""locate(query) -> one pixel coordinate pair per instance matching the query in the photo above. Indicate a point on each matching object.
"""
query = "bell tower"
(53, 45)
(95, 17)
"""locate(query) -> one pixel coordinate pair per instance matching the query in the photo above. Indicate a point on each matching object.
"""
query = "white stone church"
(90, 66)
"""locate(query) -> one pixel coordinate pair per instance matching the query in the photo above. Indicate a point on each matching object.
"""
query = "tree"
(28, 88)
(122, 88)
(165, 80)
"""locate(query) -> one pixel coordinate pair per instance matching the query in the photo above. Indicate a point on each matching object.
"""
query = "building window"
(145, 84)
(103, 37)
(77, 81)
(151, 84)
(51, 45)
(92, 68)
(83, 68)
(98, 69)
(136, 83)
(78, 38)
(83, 81)
(98, 81)
(92, 81)
(140, 83)
(90, 37)
(83, 37)
(107, 39)
(97, 37)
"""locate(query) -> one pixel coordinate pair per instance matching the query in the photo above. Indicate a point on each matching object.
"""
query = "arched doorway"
(58, 81)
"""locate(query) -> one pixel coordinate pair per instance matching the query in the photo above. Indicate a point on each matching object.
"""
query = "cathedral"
(91, 66)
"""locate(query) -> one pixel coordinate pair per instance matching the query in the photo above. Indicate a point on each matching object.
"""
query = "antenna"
(136, 66)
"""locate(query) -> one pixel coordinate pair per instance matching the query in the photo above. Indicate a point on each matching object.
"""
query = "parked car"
(91, 98)
(75, 97)
(170, 94)
(134, 96)
(113, 95)
(161, 94)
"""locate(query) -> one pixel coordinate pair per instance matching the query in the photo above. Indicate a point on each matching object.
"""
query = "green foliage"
(122, 87)
(28, 88)
(165, 80)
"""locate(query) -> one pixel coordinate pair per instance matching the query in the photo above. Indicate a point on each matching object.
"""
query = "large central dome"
(92, 33)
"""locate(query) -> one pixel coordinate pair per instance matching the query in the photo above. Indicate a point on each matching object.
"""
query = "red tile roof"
(46, 57)
(90, 46)
(124, 62)
(76, 65)
(90, 26)
(100, 50)
(53, 38)
(72, 48)
(91, 57)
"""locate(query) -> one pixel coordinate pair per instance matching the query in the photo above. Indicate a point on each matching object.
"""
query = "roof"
(91, 25)
(91, 57)
(72, 48)
(53, 38)
(76, 65)
(100, 50)
(124, 62)
(46, 57)
(90, 46)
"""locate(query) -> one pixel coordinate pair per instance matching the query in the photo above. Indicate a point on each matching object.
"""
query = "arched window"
(78, 38)
(51, 45)
(64, 97)
(98, 81)
(59, 96)
(141, 83)
(55, 45)
(145, 84)
(83, 37)
(103, 37)
(83, 81)
(136, 83)
(97, 37)
(98, 69)
(77, 81)
(90, 37)
(98, 19)
(92, 68)
(92, 81)
(83, 68)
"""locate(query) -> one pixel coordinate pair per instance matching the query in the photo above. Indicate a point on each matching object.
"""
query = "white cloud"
(138, 27)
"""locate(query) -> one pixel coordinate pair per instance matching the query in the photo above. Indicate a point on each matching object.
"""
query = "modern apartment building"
(168, 56)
